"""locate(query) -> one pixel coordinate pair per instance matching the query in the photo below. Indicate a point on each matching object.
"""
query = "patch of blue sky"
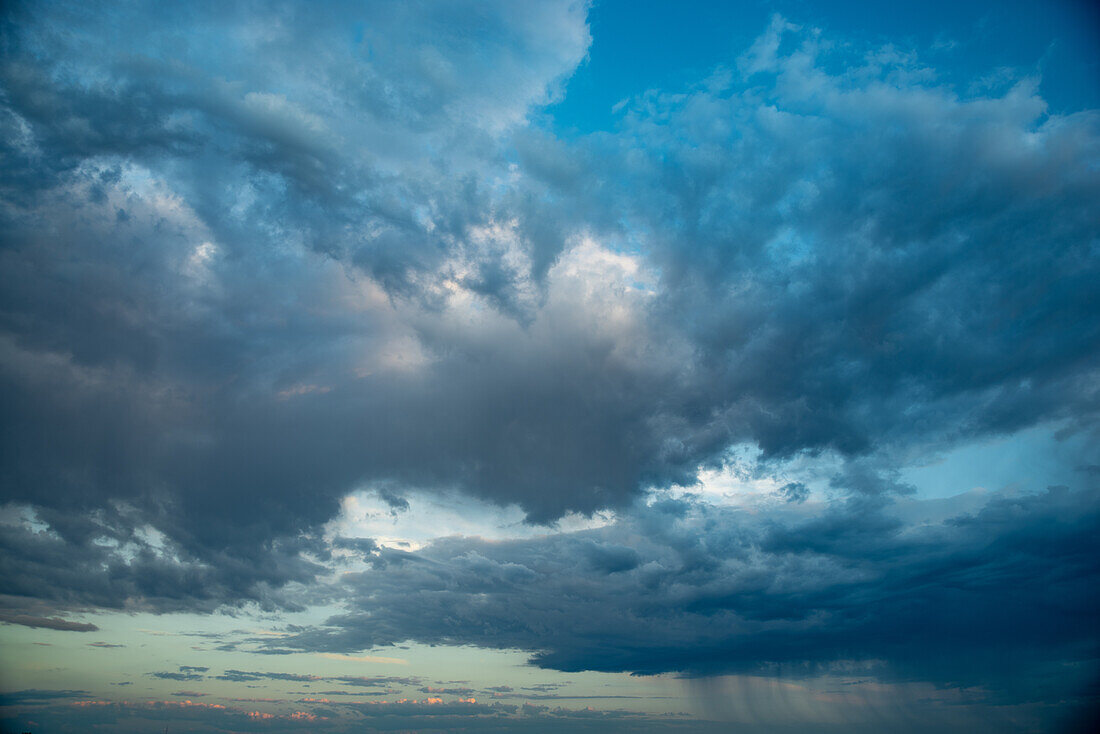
(978, 47)
(1027, 461)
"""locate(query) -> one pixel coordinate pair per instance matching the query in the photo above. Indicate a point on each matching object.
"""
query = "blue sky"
(549, 366)
(652, 45)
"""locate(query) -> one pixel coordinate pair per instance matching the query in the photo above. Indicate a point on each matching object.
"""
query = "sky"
(549, 366)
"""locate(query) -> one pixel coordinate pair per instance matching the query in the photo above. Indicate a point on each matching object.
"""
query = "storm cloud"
(252, 266)
(249, 290)
(966, 599)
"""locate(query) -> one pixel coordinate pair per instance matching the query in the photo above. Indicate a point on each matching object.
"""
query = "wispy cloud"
(53, 623)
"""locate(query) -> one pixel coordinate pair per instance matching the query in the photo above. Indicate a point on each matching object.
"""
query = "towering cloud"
(252, 263)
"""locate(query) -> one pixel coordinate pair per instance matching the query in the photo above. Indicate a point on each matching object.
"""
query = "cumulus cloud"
(115, 379)
(237, 287)
(864, 261)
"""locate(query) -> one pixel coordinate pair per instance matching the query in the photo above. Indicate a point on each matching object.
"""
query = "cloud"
(251, 675)
(236, 288)
(53, 623)
(182, 676)
(717, 591)
(65, 566)
(431, 706)
(358, 211)
(366, 659)
(854, 256)
(245, 676)
(376, 681)
(37, 695)
(452, 691)
(403, 714)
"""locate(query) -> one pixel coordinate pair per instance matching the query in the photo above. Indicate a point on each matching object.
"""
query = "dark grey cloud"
(432, 709)
(861, 266)
(1001, 598)
(881, 272)
(544, 687)
(134, 716)
(561, 697)
(405, 715)
(133, 163)
(251, 675)
(450, 691)
(396, 502)
(66, 567)
(53, 623)
(376, 681)
(38, 695)
(247, 676)
(181, 676)
(795, 492)
(384, 692)
(235, 287)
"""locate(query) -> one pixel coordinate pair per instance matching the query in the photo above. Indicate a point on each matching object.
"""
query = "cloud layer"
(1000, 597)
(248, 267)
